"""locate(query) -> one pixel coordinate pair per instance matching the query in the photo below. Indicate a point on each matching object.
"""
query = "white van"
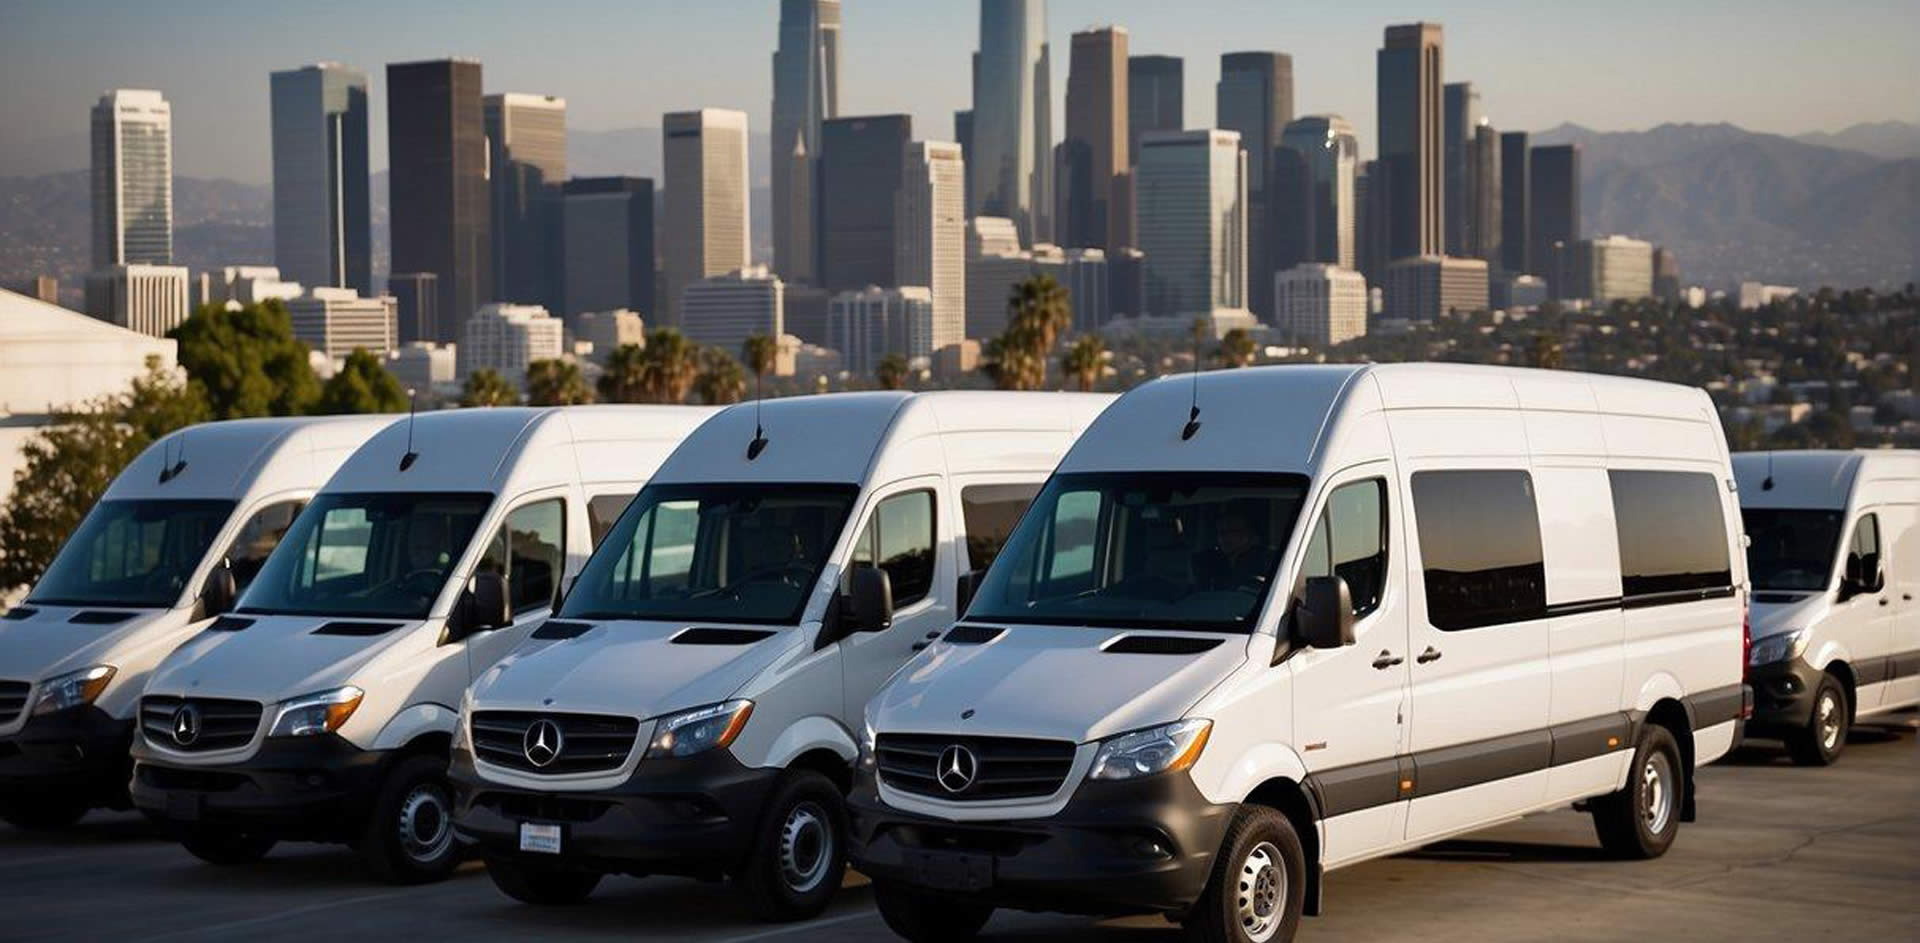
(321, 709)
(1265, 623)
(692, 709)
(184, 527)
(1834, 549)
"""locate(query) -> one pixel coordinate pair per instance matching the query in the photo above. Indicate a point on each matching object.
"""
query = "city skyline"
(1533, 71)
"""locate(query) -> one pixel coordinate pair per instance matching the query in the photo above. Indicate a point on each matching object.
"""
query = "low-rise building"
(1429, 287)
(1319, 305)
(150, 299)
(867, 325)
(725, 310)
(337, 321)
(506, 337)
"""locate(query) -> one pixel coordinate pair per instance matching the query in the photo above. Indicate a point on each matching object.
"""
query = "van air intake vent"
(1160, 645)
(973, 634)
(96, 617)
(721, 636)
(356, 629)
(559, 629)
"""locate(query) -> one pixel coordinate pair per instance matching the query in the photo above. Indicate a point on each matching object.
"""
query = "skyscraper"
(1156, 96)
(706, 203)
(1461, 116)
(1010, 163)
(1313, 202)
(869, 324)
(1516, 206)
(862, 163)
(1554, 221)
(607, 235)
(437, 142)
(932, 234)
(1192, 196)
(806, 91)
(1408, 80)
(1255, 98)
(132, 179)
(322, 231)
(1483, 194)
(416, 299)
(527, 164)
(724, 310)
(1093, 201)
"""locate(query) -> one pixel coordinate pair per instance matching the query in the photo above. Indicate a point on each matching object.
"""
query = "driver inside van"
(1242, 557)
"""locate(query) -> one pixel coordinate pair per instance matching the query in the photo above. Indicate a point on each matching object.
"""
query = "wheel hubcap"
(1656, 793)
(806, 847)
(426, 827)
(1829, 722)
(1260, 893)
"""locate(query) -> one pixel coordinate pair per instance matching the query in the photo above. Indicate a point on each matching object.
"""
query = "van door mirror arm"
(218, 593)
(1323, 615)
(484, 605)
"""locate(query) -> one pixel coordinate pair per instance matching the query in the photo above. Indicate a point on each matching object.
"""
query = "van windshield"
(1162, 550)
(721, 552)
(381, 555)
(1792, 549)
(137, 554)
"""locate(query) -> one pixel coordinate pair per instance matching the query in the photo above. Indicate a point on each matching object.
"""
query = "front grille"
(1003, 767)
(589, 743)
(13, 700)
(218, 723)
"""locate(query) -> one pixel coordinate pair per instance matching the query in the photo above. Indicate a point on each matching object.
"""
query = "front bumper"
(1142, 846)
(301, 789)
(1782, 697)
(695, 815)
(81, 749)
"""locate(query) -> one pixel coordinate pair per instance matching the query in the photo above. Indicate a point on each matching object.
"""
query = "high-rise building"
(862, 164)
(1319, 305)
(867, 325)
(150, 299)
(1156, 98)
(607, 236)
(322, 229)
(132, 179)
(1089, 283)
(1554, 223)
(437, 142)
(806, 92)
(1313, 200)
(1610, 268)
(1255, 98)
(1091, 199)
(1461, 116)
(1408, 82)
(527, 165)
(1483, 195)
(995, 263)
(1126, 283)
(1429, 287)
(1192, 199)
(1010, 159)
(724, 310)
(1666, 275)
(706, 202)
(505, 338)
(337, 321)
(416, 306)
(1516, 207)
(1371, 188)
(932, 225)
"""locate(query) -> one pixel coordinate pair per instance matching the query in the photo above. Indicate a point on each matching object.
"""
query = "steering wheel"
(405, 583)
(792, 573)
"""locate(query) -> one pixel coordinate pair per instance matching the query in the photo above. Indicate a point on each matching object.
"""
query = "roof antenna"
(179, 460)
(1767, 485)
(166, 467)
(759, 443)
(1193, 399)
(407, 460)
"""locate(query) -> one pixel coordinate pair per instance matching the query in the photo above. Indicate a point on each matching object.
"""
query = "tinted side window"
(1672, 535)
(531, 552)
(1350, 541)
(258, 537)
(990, 511)
(602, 511)
(899, 537)
(1865, 548)
(1479, 535)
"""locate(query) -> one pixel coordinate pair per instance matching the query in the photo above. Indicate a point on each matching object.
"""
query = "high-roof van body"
(693, 708)
(321, 709)
(1835, 555)
(133, 581)
(1265, 623)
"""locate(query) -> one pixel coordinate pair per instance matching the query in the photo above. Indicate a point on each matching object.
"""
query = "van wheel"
(409, 837)
(532, 883)
(929, 918)
(798, 856)
(1259, 883)
(226, 848)
(42, 813)
(1819, 743)
(1641, 820)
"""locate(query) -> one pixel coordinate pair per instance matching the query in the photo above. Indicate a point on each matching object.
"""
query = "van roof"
(224, 460)
(1813, 478)
(844, 437)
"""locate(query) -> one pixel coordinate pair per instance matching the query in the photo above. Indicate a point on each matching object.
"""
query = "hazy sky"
(1767, 65)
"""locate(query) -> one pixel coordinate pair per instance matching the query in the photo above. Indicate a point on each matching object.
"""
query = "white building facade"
(1319, 305)
(931, 223)
(867, 325)
(506, 337)
(725, 310)
(150, 299)
(1191, 197)
(337, 321)
(706, 199)
(132, 181)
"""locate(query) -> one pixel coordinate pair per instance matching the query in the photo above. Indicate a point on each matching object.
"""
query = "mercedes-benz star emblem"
(543, 742)
(186, 725)
(957, 768)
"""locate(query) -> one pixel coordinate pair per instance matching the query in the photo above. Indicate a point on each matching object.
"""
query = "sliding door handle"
(1430, 655)
(1387, 660)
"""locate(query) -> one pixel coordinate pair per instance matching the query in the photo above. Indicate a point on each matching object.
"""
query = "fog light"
(1151, 847)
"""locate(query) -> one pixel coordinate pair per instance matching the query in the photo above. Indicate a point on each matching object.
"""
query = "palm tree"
(1236, 348)
(556, 383)
(624, 380)
(1085, 361)
(488, 388)
(1038, 312)
(891, 371)
(720, 380)
(669, 366)
(760, 353)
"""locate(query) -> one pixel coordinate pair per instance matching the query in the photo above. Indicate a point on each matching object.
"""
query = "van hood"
(1792, 611)
(274, 657)
(47, 643)
(1051, 682)
(631, 668)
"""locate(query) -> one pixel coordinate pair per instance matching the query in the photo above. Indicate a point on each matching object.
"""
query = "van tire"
(546, 886)
(929, 918)
(409, 833)
(1241, 903)
(798, 855)
(43, 813)
(1640, 821)
(226, 848)
(1819, 743)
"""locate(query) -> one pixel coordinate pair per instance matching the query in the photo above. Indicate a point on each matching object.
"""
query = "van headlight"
(316, 713)
(72, 689)
(1777, 648)
(698, 730)
(1163, 749)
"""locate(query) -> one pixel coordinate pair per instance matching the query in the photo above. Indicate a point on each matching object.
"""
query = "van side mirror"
(870, 601)
(483, 606)
(217, 596)
(1863, 575)
(1323, 617)
(963, 592)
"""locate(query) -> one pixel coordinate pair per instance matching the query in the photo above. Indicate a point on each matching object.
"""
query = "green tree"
(1545, 352)
(761, 353)
(669, 366)
(1237, 348)
(488, 388)
(1085, 361)
(362, 385)
(624, 380)
(892, 372)
(719, 380)
(556, 383)
(247, 362)
(1038, 312)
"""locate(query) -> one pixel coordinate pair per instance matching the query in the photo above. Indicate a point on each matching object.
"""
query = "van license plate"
(951, 871)
(542, 839)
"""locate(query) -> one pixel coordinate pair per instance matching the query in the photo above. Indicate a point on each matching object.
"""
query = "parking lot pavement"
(1779, 853)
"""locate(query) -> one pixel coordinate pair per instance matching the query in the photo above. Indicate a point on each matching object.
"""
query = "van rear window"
(1480, 547)
(1673, 537)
